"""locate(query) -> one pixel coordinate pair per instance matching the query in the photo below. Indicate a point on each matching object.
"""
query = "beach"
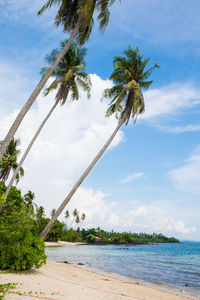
(59, 281)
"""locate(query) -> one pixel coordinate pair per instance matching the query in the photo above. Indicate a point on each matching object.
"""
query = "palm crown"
(129, 77)
(71, 10)
(69, 74)
(9, 161)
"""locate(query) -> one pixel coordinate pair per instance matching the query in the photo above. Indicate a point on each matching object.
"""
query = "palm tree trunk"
(46, 230)
(28, 149)
(72, 223)
(37, 90)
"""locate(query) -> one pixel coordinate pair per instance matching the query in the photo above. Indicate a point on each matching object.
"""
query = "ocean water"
(175, 265)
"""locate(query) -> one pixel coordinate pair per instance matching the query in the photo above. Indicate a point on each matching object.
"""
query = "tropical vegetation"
(9, 161)
(130, 78)
(20, 246)
(76, 17)
(70, 75)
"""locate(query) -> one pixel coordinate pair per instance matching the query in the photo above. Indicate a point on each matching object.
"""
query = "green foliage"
(91, 239)
(70, 11)
(130, 78)
(92, 235)
(6, 287)
(9, 161)
(20, 246)
(70, 74)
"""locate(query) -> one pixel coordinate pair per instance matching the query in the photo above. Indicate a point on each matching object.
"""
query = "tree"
(69, 75)
(20, 246)
(75, 214)
(40, 214)
(83, 216)
(28, 199)
(129, 77)
(53, 212)
(67, 216)
(76, 16)
(77, 220)
(9, 161)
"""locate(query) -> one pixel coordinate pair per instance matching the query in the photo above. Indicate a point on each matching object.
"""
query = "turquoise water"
(176, 265)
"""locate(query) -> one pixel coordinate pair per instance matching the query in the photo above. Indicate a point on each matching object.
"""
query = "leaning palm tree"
(130, 78)
(69, 75)
(76, 16)
(9, 161)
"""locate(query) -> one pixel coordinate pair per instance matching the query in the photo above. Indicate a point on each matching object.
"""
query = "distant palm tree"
(53, 212)
(69, 75)
(83, 217)
(67, 216)
(129, 77)
(40, 214)
(76, 16)
(75, 214)
(77, 220)
(9, 161)
(28, 199)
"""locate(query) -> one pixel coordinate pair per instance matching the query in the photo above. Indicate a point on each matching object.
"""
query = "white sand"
(64, 281)
(61, 243)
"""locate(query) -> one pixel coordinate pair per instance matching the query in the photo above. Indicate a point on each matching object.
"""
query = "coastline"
(62, 243)
(59, 281)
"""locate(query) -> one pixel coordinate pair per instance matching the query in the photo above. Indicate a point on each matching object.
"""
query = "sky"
(149, 178)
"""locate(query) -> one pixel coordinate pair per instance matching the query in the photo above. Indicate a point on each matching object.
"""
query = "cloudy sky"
(149, 179)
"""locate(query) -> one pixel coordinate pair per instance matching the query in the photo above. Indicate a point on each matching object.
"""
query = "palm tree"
(40, 214)
(77, 220)
(9, 161)
(129, 77)
(67, 216)
(76, 16)
(28, 199)
(53, 212)
(83, 217)
(75, 214)
(69, 76)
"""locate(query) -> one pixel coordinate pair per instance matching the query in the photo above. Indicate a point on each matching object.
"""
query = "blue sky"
(149, 179)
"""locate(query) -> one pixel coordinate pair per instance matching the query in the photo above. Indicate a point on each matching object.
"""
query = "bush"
(91, 238)
(22, 255)
(20, 246)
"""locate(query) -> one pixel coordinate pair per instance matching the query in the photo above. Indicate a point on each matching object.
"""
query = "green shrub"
(20, 247)
(22, 254)
(91, 238)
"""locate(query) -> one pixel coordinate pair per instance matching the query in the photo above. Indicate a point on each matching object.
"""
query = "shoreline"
(62, 243)
(155, 285)
(59, 281)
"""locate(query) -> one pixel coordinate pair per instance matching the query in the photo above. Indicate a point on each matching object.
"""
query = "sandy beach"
(65, 281)
(62, 243)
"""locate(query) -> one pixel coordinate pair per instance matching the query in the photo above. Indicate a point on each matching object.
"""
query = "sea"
(175, 266)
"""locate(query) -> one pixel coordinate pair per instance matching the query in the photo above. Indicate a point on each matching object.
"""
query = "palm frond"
(129, 77)
(53, 86)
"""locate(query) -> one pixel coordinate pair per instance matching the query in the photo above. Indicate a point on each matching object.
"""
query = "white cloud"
(187, 177)
(131, 177)
(69, 141)
(170, 100)
(139, 218)
(179, 129)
